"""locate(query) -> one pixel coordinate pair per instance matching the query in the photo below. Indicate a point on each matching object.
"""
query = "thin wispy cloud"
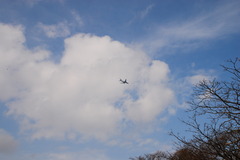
(141, 15)
(61, 29)
(146, 11)
(35, 2)
(8, 143)
(85, 154)
(77, 19)
(193, 33)
(56, 30)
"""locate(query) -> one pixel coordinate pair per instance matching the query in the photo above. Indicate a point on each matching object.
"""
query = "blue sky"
(61, 61)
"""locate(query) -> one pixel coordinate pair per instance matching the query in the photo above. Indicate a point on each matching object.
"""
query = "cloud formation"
(61, 29)
(56, 30)
(81, 96)
(34, 2)
(146, 11)
(192, 33)
(85, 154)
(7, 143)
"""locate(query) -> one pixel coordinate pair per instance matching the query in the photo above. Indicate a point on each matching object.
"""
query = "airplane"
(124, 82)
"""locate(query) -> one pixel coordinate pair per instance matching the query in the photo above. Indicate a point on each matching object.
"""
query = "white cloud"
(85, 154)
(145, 12)
(154, 94)
(81, 96)
(53, 31)
(34, 2)
(61, 154)
(61, 29)
(197, 78)
(141, 15)
(184, 86)
(7, 142)
(200, 75)
(192, 33)
(77, 18)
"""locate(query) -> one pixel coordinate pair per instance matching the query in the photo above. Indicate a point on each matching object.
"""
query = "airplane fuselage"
(124, 82)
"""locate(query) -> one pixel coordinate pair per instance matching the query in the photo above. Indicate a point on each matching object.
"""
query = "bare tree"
(220, 99)
(214, 121)
(159, 155)
(188, 153)
(219, 103)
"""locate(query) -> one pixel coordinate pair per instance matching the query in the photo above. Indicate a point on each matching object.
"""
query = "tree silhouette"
(219, 102)
(214, 121)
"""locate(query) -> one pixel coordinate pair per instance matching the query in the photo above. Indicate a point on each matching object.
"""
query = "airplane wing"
(124, 82)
